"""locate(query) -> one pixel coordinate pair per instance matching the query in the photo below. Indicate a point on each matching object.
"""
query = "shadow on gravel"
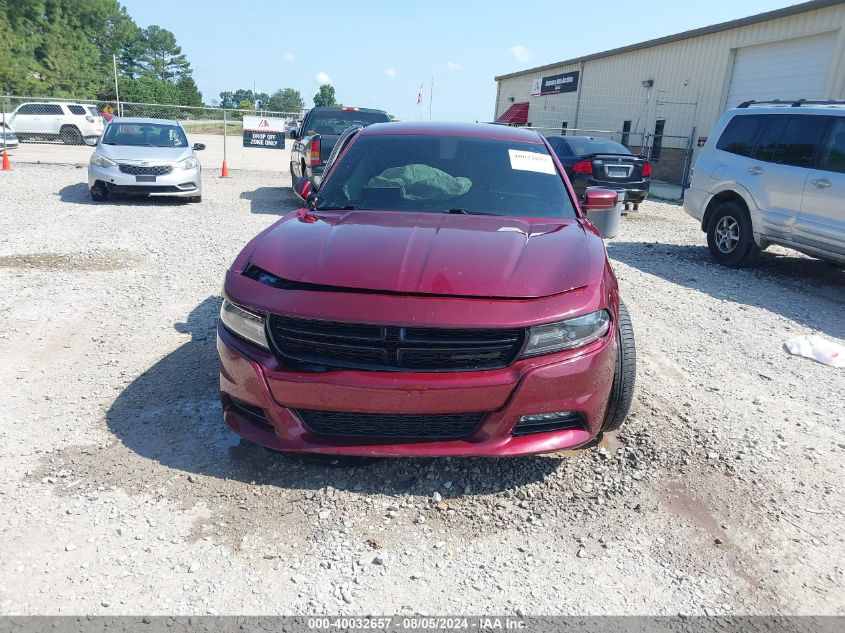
(271, 200)
(808, 291)
(171, 414)
(78, 194)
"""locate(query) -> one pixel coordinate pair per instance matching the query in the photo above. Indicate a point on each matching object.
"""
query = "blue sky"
(377, 53)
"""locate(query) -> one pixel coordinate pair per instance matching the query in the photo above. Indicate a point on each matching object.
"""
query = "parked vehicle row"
(773, 173)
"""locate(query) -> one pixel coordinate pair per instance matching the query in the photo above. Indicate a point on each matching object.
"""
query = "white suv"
(72, 123)
(773, 173)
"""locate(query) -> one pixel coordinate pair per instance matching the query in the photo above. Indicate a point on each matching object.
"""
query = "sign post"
(266, 132)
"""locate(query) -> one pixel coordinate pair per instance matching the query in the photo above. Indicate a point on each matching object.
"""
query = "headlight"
(101, 161)
(554, 337)
(188, 163)
(243, 323)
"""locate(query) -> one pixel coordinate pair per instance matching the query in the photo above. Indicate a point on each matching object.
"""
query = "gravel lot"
(123, 492)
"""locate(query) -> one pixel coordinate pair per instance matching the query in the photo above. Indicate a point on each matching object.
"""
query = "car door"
(821, 223)
(56, 117)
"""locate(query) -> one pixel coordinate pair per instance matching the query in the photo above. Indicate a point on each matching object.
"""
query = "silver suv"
(773, 173)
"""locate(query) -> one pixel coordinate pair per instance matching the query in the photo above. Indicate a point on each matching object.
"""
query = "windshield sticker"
(531, 161)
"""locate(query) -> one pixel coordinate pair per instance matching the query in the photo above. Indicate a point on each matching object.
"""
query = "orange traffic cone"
(6, 165)
(225, 172)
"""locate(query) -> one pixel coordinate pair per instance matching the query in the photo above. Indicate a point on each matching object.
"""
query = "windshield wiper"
(348, 207)
(459, 211)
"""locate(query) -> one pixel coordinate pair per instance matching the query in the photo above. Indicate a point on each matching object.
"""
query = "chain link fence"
(64, 131)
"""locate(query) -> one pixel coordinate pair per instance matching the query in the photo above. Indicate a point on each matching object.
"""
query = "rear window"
(333, 122)
(435, 174)
(75, 109)
(740, 135)
(582, 147)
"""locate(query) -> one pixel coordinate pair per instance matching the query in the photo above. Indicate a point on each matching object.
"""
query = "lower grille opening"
(546, 423)
(249, 410)
(393, 426)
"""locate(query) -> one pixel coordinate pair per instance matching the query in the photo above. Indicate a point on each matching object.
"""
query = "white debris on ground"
(818, 348)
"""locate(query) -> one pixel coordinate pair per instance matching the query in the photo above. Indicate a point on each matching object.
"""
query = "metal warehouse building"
(663, 96)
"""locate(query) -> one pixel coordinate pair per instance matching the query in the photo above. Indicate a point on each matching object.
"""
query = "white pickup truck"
(72, 123)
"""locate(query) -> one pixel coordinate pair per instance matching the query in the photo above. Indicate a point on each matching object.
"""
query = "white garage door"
(791, 69)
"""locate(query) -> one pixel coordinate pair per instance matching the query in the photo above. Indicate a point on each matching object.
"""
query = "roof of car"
(477, 130)
(828, 109)
(142, 120)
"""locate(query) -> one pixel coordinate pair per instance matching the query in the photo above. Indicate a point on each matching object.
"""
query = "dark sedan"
(591, 161)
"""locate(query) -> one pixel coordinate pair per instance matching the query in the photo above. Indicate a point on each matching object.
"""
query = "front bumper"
(576, 380)
(179, 182)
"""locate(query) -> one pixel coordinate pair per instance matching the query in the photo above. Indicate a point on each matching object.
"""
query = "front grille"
(138, 170)
(383, 425)
(322, 344)
(571, 420)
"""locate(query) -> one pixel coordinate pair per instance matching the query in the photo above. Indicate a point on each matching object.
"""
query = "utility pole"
(430, 97)
(116, 93)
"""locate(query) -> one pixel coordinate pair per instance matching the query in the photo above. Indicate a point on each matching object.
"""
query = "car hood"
(427, 253)
(134, 154)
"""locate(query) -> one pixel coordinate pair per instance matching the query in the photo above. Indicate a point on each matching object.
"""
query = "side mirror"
(293, 134)
(598, 199)
(91, 141)
(199, 146)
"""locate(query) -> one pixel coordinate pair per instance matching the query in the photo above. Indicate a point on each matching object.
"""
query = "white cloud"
(453, 66)
(390, 72)
(290, 56)
(323, 78)
(520, 53)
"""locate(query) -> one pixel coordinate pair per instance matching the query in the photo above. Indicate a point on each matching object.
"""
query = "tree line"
(282, 100)
(65, 48)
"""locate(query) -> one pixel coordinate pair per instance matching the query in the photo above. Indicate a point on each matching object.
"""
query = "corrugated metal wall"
(691, 79)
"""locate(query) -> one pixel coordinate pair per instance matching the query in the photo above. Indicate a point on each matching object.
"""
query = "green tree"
(189, 94)
(286, 100)
(245, 105)
(157, 54)
(325, 96)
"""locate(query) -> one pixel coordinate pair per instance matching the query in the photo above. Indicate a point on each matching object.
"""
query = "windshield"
(145, 135)
(93, 111)
(332, 122)
(447, 175)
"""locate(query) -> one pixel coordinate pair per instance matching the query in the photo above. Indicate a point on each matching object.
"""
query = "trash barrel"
(607, 222)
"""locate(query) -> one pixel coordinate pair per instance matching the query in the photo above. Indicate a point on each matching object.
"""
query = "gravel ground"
(123, 493)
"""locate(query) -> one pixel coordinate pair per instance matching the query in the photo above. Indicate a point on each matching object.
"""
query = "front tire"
(624, 377)
(99, 193)
(730, 237)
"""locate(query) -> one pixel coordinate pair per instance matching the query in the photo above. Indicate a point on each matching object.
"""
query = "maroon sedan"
(441, 293)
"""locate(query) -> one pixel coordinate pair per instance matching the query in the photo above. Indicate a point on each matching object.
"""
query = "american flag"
(419, 95)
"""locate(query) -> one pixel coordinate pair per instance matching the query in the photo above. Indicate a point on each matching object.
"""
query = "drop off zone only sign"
(262, 131)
